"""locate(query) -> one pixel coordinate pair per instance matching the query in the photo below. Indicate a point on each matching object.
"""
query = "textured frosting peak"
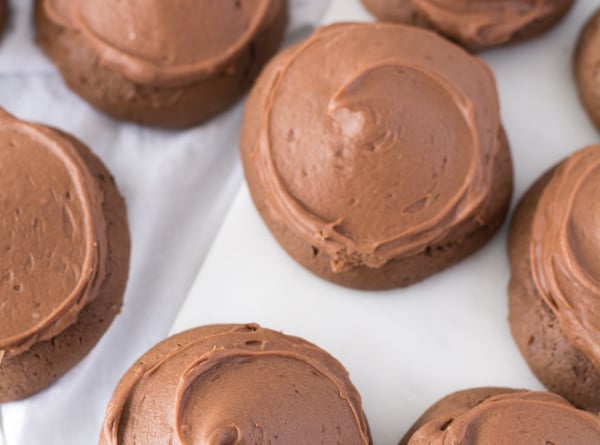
(52, 235)
(564, 250)
(377, 140)
(515, 418)
(243, 384)
(165, 42)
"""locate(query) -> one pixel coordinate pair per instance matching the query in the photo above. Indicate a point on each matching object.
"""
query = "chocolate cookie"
(229, 384)
(65, 255)
(499, 416)
(375, 154)
(555, 284)
(587, 59)
(162, 63)
(475, 24)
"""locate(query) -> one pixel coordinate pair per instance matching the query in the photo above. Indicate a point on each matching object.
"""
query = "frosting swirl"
(52, 235)
(224, 385)
(151, 42)
(564, 250)
(518, 418)
(387, 152)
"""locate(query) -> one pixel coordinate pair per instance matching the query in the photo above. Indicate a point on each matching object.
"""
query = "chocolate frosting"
(166, 43)
(484, 22)
(52, 235)
(235, 385)
(376, 141)
(516, 418)
(564, 250)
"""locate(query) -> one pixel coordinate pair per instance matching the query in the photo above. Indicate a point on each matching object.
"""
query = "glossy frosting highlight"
(516, 418)
(154, 41)
(52, 235)
(389, 151)
(564, 250)
(234, 385)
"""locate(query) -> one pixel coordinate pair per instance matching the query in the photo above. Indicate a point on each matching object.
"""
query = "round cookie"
(375, 154)
(554, 290)
(499, 416)
(475, 24)
(65, 243)
(228, 384)
(587, 58)
(166, 64)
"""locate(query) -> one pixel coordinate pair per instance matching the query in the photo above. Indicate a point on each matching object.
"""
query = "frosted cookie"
(162, 63)
(375, 154)
(65, 254)
(475, 24)
(499, 416)
(587, 59)
(234, 384)
(555, 284)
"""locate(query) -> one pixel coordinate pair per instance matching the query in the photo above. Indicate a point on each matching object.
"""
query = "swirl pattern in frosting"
(375, 141)
(166, 43)
(513, 417)
(226, 385)
(564, 248)
(52, 235)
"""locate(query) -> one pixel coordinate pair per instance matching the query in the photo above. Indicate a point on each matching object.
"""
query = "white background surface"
(407, 348)
(178, 186)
